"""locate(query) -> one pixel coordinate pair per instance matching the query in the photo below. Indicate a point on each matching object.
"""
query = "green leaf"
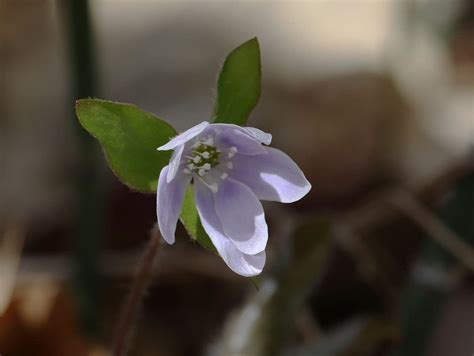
(192, 223)
(129, 137)
(238, 91)
(238, 87)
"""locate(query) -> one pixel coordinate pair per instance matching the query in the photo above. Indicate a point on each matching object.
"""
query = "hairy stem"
(132, 304)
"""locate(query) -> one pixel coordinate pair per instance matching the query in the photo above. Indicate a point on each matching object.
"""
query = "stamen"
(214, 187)
(224, 176)
(209, 141)
(230, 165)
(202, 154)
(186, 171)
(232, 151)
(203, 158)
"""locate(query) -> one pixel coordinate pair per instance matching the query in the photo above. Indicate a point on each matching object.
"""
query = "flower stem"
(132, 304)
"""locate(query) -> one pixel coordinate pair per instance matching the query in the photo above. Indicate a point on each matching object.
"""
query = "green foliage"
(238, 91)
(129, 137)
(238, 87)
(192, 223)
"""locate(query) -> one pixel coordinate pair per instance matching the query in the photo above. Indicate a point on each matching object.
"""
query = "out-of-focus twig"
(307, 326)
(262, 325)
(407, 204)
(352, 243)
(10, 249)
(175, 261)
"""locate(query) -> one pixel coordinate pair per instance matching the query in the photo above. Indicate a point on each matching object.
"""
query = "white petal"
(259, 135)
(239, 140)
(253, 134)
(181, 139)
(274, 176)
(175, 162)
(169, 200)
(242, 217)
(240, 263)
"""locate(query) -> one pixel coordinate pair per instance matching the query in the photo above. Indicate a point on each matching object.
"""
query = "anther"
(209, 141)
(232, 151)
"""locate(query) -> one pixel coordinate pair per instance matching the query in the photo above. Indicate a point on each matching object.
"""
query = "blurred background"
(373, 99)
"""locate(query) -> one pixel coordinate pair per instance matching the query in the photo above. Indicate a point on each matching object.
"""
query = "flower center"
(203, 158)
(211, 165)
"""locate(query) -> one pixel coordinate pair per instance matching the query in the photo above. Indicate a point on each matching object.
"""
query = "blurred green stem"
(88, 216)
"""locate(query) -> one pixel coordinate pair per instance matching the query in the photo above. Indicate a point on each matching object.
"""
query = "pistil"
(208, 163)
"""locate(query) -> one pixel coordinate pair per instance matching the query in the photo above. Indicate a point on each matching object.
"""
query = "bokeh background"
(373, 99)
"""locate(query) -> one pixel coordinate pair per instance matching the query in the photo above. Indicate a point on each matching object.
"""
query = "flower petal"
(245, 265)
(259, 135)
(240, 263)
(184, 137)
(274, 176)
(242, 217)
(169, 200)
(228, 136)
(175, 161)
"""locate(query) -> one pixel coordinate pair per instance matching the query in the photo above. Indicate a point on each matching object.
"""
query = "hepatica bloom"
(232, 169)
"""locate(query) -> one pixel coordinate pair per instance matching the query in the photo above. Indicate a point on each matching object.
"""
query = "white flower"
(231, 170)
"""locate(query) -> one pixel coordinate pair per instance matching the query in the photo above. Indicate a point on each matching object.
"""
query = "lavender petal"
(240, 263)
(184, 137)
(228, 136)
(242, 217)
(274, 176)
(169, 200)
(175, 162)
(259, 135)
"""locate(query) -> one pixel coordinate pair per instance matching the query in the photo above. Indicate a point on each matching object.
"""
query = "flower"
(232, 171)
